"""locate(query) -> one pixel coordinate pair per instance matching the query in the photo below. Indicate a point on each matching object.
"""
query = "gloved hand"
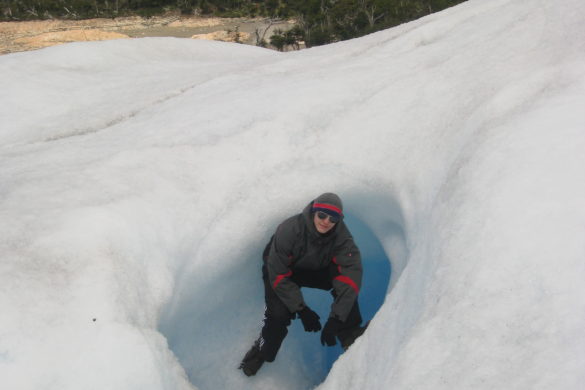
(310, 320)
(329, 332)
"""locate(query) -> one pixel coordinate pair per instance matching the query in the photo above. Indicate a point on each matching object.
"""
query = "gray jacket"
(298, 245)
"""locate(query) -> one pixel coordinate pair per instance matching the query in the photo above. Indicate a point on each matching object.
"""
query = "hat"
(328, 203)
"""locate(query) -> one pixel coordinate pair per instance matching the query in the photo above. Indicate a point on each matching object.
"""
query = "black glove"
(310, 320)
(330, 330)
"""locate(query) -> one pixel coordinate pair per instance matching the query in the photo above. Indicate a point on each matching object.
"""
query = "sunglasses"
(322, 215)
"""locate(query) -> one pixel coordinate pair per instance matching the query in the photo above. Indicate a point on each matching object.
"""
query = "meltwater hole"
(213, 319)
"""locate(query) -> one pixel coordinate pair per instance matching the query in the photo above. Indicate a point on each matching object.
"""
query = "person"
(312, 249)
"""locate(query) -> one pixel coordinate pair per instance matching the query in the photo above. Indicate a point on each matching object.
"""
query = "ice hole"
(213, 319)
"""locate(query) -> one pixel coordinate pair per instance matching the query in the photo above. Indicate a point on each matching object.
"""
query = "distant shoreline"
(18, 36)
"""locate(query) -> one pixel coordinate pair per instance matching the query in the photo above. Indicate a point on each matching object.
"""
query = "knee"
(279, 318)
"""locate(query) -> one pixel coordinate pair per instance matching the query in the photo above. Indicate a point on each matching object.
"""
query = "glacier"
(140, 180)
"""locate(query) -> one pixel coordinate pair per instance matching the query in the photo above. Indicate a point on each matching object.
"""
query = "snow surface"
(140, 179)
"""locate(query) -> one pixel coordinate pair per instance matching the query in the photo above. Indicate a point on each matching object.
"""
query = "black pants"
(277, 318)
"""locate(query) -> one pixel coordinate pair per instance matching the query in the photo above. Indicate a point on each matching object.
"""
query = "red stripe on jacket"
(328, 207)
(280, 277)
(347, 280)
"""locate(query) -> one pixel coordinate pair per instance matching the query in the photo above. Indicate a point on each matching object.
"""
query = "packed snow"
(140, 180)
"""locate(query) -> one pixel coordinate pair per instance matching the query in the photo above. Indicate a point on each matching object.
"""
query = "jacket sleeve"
(348, 279)
(279, 262)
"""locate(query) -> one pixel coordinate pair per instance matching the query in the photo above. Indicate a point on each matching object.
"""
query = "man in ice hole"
(312, 249)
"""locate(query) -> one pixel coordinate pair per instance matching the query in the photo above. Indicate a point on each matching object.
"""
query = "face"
(322, 225)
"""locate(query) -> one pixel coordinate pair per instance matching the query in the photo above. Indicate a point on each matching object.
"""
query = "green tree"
(278, 40)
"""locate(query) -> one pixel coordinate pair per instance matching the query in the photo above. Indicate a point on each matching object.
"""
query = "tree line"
(325, 21)
(318, 22)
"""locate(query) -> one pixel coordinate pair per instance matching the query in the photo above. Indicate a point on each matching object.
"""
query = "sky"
(140, 180)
